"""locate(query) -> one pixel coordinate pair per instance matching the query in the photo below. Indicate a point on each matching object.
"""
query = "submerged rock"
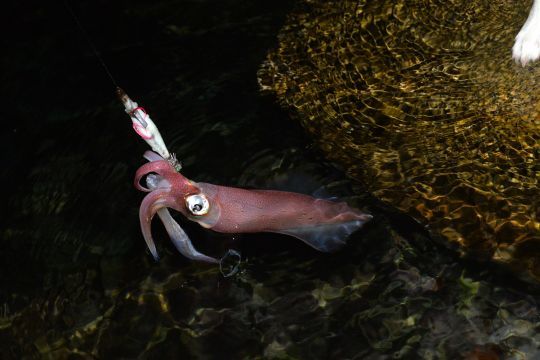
(422, 102)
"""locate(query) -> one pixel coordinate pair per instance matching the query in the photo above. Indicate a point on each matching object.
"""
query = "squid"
(323, 224)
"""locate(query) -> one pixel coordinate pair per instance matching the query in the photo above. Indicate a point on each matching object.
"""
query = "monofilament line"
(89, 41)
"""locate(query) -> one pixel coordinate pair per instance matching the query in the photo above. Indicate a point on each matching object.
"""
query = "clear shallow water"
(77, 280)
(423, 103)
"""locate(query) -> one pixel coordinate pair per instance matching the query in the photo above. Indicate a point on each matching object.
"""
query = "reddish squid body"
(322, 224)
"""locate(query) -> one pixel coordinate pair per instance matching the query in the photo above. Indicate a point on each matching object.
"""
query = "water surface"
(77, 280)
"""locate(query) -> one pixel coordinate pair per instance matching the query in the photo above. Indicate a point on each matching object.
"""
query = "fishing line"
(89, 41)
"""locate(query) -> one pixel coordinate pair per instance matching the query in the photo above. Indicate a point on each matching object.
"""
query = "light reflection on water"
(423, 103)
(78, 282)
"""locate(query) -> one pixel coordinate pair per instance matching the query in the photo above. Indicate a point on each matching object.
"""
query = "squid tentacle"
(181, 240)
(157, 201)
(149, 207)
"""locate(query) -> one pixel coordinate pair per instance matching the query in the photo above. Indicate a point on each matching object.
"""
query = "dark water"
(77, 280)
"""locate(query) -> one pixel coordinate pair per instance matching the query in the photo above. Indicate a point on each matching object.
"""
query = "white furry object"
(527, 46)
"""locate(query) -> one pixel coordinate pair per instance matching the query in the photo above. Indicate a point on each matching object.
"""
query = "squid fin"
(325, 237)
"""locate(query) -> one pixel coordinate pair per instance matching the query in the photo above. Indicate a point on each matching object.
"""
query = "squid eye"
(197, 204)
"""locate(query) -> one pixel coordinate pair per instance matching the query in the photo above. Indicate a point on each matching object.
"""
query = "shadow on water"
(77, 281)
